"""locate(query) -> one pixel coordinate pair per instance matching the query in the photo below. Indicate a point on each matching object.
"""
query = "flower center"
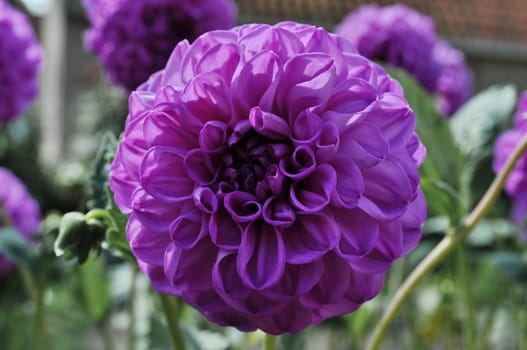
(251, 162)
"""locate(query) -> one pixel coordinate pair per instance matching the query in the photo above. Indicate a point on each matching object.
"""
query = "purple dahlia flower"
(516, 185)
(17, 209)
(134, 39)
(20, 61)
(270, 176)
(405, 38)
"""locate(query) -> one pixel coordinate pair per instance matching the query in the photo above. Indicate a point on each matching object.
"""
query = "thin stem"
(101, 214)
(172, 314)
(465, 298)
(131, 329)
(269, 342)
(444, 247)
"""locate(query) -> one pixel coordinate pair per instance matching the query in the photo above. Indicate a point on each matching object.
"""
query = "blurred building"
(492, 33)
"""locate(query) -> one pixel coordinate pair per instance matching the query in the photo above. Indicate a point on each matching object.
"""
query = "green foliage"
(475, 128)
(78, 236)
(476, 124)
(15, 248)
(101, 171)
(511, 265)
(95, 289)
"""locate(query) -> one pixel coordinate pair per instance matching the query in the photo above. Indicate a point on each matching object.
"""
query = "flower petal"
(190, 270)
(359, 233)
(163, 175)
(309, 238)
(224, 232)
(261, 257)
(313, 193)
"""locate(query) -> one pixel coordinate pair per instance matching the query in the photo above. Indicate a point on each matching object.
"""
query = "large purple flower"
(20, 61)
(403, 37)
(270, 176)
(516, 185)
(17, 209)
(134, 39)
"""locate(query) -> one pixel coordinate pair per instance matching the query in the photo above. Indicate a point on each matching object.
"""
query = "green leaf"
(95, 288)
(475, 128)
(433, 129)
(488, 231)
(101, 170)
(510, 265)
(476, 124)
(15, 248)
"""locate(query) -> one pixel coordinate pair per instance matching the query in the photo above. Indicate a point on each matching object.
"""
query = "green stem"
(101, 214)
(171, 312)
(106, 335)
(465, 298)
(131, 328)
(269, 342)
(451, 239)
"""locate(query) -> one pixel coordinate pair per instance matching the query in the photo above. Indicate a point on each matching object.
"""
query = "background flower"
(402, 37)
(516, 185)
(20, 62)
(270, 176)
(134, 39)
(17, 209)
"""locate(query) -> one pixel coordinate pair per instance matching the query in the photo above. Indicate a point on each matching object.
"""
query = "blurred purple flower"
(17, 209)
(134, 39)
(20, 62)
(516, 185)
(405, 38)
(270, 176)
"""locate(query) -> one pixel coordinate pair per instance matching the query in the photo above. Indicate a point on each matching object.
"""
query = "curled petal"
(243, 206)
(268, 124)
(224, 231)
(327, 143)
(313, 193)
(201, 166)
(261, 257)
(205, 200)
(278, 212)
(309, 238)
(275, 179)
(301, 164)
(213, 136)
(307, 127)
(188, 229)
